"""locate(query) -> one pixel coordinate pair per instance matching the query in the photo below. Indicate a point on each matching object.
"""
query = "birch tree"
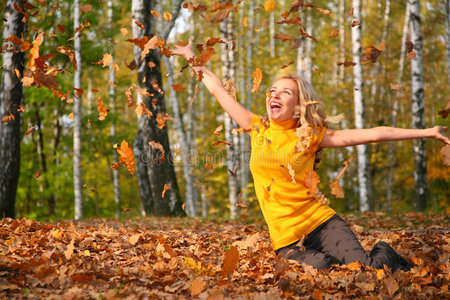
(77, 117)
(358, 98)
(112, 100)
(228, 72)
(11, 94)
(418, 116)
(395, 106)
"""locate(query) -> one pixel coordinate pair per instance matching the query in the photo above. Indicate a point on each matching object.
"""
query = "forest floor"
(181, 258)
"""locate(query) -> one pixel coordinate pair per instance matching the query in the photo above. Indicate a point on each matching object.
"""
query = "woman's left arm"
(352, 137)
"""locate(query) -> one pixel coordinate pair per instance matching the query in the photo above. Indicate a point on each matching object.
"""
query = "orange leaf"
(197, 286)
(178, 87)
(123, 31)
(217, 130)
(336, 189)
(334, 33)
(155, 13)
(30, 130)
(257, 78)
(37, 174)
(221, 142)
(325, 12)
(156, 145)
(71, 116)
(103, 112)
(208, 166)
(269, 6)
(61, 28)
(230, 261)
(126, 156)
(311, 181)
(166, 187)
(115, 166)
(141, 110)
(167, 16)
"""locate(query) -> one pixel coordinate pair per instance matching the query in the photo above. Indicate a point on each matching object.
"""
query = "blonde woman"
(287, 139)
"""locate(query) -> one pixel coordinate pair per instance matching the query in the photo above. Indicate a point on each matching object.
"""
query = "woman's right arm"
(236, 111)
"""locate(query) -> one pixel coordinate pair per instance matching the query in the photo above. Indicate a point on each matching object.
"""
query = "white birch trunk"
(395, 105)
(272, 33)
(341, 13)
(190, 193)
(112, 101)
(358, 97)
(78, 114)
(228, 72)
(418, 116)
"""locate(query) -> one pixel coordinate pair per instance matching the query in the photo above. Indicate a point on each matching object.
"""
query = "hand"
(438, 132)
(185, 51)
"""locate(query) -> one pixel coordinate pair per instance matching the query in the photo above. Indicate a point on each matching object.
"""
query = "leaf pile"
(183, 258)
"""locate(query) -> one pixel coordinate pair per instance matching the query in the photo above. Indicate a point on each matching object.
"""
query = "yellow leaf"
(269, 6)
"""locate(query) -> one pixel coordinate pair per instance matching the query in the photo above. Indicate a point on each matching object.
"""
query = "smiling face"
(282, 99)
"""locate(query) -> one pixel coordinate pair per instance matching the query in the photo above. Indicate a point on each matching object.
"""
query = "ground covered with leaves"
(185, 258)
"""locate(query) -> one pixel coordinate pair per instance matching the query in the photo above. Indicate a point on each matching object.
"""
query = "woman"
(284, 144)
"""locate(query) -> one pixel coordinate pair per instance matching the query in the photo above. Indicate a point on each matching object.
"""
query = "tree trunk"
(447, 34)
(11, 94)
(358, 97)
(418, 116)
(77, 117)
(395, 104)
(191, 193)
(228, 72)
(152, 170)
(112, 100)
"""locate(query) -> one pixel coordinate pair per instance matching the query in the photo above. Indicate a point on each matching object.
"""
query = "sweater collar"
(283, 125)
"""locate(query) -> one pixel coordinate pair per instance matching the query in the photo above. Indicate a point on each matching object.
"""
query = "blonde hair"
(308, 108)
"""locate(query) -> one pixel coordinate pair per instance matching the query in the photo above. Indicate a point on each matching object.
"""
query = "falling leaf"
(70, 54)
(311, 181)
(37, 174)
(151, 44)
(71, 116)
(30, 130)
(287, 65)
(325, 12)
(244, 21)
(139, 24)
(218, 130)
(178, 87)
(86, 8)
(445, 153)
(156, 145)
(9, 118)
(336, 189)
(355, 23)
(167, 16)
(126, 156)
(396, 87)
(219, 16)
(346, 64)
(208, 166)
(444, 113)
(334, 33)
(412, 54)
(221, 142)
(155, 13)
(230, 261)
(61, 28)
(257, 78)
(123, 31)
(269, 6)
(142, 110)
(283, 37)
(103, 112)
(115, 166)
(166, 187)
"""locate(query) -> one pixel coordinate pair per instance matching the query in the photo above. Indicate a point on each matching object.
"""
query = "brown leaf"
(134, 239)
(391, 285)
(334, 33)
(218, 17)
(69, 251)
(197, 286)
(230, 261)
(336, 189)
(178, 87)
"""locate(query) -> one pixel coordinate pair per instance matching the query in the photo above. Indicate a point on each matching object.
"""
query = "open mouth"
(275, 106)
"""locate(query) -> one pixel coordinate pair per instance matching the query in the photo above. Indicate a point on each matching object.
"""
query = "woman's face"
(282, 99)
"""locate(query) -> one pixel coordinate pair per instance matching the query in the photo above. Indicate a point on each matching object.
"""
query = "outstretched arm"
(352, 137)
(236, 111)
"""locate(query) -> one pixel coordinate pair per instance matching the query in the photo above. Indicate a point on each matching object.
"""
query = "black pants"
(334, 242)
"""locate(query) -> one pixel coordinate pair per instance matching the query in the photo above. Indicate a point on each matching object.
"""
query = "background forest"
(212, 177)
